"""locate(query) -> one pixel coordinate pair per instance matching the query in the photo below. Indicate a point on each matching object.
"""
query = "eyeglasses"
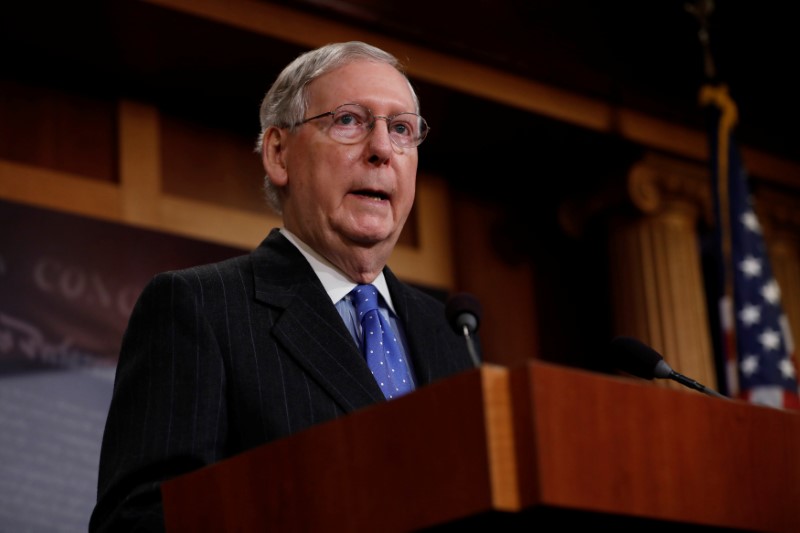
(353, 122)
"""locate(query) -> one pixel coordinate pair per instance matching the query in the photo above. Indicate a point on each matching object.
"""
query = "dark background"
(642, 55)
(629, 54)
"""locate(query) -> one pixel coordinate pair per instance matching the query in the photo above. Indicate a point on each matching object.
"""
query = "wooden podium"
(513, 449)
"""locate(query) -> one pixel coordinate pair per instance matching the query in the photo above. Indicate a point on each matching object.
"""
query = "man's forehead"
(358, 80)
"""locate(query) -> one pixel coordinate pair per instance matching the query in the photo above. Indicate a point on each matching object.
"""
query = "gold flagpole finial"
(702, 10)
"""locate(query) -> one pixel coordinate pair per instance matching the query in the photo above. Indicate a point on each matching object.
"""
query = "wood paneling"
(58, 130)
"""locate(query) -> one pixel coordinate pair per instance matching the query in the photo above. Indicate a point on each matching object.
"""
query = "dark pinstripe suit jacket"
(224, 357)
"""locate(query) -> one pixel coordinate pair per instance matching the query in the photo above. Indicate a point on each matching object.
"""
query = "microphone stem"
(692, 384)
(471, 347)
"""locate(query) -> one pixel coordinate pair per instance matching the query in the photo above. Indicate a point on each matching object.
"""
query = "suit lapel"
(308, 326)
(423, 338)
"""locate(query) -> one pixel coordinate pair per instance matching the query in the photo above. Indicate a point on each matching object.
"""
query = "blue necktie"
(382, 349)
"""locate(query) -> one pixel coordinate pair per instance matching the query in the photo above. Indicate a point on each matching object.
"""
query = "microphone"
(463, 312)
(634, 357)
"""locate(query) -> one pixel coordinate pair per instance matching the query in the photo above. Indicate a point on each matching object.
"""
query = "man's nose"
(379, 137)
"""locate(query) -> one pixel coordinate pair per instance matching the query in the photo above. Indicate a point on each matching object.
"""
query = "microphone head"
(635, 357)
(463, 309)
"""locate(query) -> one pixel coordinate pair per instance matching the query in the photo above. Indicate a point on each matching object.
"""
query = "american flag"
(759, 352)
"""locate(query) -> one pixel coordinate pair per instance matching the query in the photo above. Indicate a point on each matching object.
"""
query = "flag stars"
(786, 367)
(750, 266)
(750, 314)
(750, 221)
(749, 364)
(771, 292)
(770, 339)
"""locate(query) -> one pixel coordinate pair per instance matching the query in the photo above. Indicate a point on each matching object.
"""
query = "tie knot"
(365, 299)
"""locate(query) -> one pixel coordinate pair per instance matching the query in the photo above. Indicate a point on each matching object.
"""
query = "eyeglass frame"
(371, 124)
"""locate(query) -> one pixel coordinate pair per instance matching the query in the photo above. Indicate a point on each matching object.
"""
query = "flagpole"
(716, 94)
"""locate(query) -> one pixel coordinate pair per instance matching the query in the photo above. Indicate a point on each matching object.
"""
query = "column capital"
(657, 181)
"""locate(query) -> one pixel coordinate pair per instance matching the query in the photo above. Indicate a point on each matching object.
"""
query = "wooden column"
(651, 217)
(656, 267)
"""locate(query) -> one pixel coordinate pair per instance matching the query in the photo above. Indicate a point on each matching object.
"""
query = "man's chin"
(371, 237)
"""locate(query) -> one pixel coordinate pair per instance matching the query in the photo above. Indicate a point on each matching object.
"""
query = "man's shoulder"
(229, 266)
(224, 267)
(205, 275)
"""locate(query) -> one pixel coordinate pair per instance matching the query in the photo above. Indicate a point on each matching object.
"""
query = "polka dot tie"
(382, 349)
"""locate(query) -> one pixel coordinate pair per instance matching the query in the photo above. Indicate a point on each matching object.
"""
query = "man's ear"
(273, 155)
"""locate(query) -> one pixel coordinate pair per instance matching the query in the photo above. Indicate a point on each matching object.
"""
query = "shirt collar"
(335, 283)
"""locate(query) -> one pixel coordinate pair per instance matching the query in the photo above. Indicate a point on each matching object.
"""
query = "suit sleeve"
(167, 414)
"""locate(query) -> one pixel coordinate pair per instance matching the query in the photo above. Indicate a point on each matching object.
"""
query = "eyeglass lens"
(352, 122)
